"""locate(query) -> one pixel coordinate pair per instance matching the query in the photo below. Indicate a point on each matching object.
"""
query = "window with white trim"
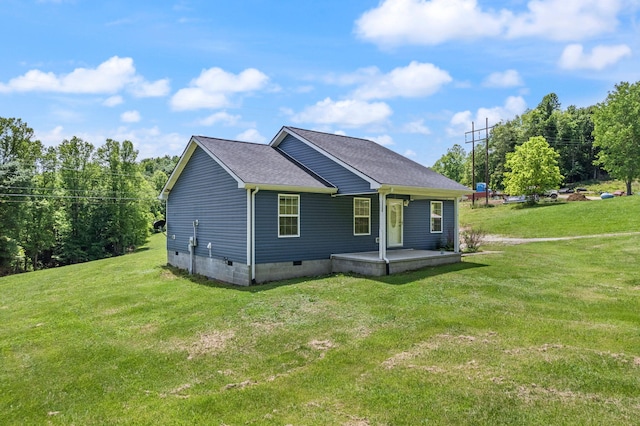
(436, 217)
(288, 215)
(361, 216)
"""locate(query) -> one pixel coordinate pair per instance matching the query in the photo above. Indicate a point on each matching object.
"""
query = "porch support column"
(456, 225)
(382, 227)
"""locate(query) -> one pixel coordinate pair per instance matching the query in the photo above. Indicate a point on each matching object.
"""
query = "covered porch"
(400, 260)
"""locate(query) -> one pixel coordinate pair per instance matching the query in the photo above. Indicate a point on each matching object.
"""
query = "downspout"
(382, 230)
(253, 235)
(456, 225)
(249, 232)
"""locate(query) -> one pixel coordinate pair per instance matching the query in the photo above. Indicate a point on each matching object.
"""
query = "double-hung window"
(436, 217)
(288, 215)
(361, 216)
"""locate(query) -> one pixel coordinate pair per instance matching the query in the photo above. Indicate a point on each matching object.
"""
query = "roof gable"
(381, 166)
(252, 165)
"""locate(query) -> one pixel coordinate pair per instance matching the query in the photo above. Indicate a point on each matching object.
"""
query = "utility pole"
(473, 156)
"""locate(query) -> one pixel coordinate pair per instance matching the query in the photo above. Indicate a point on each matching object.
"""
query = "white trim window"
(436, 217)
(288, 215)
(361, 216)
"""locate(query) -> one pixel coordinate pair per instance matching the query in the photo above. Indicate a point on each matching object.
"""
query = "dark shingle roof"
(382, 165)
(260, 164)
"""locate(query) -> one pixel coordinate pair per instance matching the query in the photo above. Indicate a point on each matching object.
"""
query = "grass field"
(556, 219)
(539, 333)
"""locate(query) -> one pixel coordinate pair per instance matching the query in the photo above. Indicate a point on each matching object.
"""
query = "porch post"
(382, 227)
(456, 225)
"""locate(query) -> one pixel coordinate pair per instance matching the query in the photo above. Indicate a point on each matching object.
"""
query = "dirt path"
(512, 241)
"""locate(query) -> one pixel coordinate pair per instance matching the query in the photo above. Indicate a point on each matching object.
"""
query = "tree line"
(74, 202)
(595, 142)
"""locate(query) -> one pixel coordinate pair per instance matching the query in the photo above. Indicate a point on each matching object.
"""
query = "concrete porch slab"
(369, 263)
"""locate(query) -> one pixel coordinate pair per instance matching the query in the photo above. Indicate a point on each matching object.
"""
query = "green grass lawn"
(556, 219)
(540, 333)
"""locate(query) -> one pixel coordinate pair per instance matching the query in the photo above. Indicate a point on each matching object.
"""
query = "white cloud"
(110, 77)
(220, 117)
(416, 127)
(461, 121)
(410, 153)
(348, 113)
(415, 80)
(150, 142)
(113, 101)
(51, 137)
(212, 88)
(396, 22)
(430, 22)
(508, 78)
(574, 57)
(130, 117)
(566, 19)
(251, 135)
(384, 140)
(158, 88)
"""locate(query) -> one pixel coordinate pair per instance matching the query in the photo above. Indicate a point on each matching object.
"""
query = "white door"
(394, 223)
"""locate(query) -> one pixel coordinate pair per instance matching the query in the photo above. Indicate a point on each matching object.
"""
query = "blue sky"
(410, 74)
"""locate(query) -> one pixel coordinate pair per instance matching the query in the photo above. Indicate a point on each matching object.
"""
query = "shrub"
(472, 239)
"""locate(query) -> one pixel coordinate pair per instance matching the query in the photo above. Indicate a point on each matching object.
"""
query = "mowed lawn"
(538, 333)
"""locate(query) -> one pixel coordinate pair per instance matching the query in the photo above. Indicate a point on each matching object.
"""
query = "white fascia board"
(182, 162)
(184, 159)
(288, 188)
(284, 132)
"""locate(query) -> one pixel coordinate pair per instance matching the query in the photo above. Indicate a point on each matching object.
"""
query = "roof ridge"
(230, 140)
(330, 134)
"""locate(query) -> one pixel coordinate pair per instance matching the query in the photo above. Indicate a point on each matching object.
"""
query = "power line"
(30, 188)
(78, 197)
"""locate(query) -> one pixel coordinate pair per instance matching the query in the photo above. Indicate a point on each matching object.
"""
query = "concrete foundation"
(367, 263)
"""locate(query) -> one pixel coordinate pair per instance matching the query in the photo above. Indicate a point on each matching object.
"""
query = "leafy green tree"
(450, 164)
(532, 169)
(18, 155)
(17, 142)
(503, 139)
(79, 181)
(617, 132)
(125, 213)
(39, 238)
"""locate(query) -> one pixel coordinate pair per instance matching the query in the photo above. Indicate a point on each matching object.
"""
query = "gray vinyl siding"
(326, 227)
(346, 181)
(417, 218)
(204, 191)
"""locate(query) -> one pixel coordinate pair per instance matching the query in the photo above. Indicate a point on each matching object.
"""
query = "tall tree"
(450, 164)
(18, 155)
(17, 142)
(617, 132)
(125, 215)
(532, 169)
(79, 181)
(503, 139)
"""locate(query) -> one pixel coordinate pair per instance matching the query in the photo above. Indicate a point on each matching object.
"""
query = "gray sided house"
(308, 203)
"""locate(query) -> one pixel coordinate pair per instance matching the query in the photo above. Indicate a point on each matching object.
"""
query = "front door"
(394, 223)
